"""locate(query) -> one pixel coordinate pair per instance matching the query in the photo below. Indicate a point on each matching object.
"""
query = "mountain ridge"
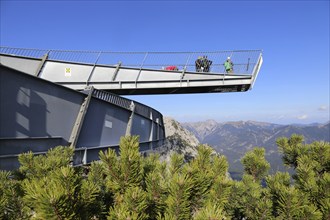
(235, 138)
(201, 129)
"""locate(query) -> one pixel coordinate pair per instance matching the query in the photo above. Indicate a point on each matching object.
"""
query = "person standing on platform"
(229, 65)
(198, 64)
(207, 64)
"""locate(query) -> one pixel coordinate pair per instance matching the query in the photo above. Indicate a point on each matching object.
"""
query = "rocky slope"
(179, 140)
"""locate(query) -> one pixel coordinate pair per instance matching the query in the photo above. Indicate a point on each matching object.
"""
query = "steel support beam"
(80, 119)
(42, 63)
(130, 120)
(116, 71)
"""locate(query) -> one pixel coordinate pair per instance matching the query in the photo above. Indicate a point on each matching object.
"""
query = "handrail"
(140, 108)
(256, 70)
(81, 149)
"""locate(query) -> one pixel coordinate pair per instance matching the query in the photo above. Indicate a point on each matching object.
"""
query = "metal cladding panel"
(214, 76)
(156, 116)
(9, 163)
(154, 131)
(93, 154)
(104, 124)
(161, 133)
(36, 108)
(66, 72)
(127, 75)
(142, 127)
(103, 74)
(203, 76)
(25, 65)
(145, 146)
(17, 146)
(159, 75)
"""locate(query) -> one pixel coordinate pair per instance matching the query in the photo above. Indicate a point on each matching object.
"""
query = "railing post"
(248, 64)
(151, 131)
(84, 159)
(130, 120)
(91, 74)
(185, 66)
(116, 71)
(144, 59)
(41, 65)
(157, 122)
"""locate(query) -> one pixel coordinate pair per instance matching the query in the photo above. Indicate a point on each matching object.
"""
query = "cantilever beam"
(123, 80)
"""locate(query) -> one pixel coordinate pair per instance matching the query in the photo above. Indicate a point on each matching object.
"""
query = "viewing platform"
(136, 73)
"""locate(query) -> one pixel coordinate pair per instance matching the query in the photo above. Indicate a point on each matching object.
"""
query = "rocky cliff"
(179, 140)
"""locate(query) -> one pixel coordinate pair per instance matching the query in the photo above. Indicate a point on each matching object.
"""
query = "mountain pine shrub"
(255, 164)
(126, 185)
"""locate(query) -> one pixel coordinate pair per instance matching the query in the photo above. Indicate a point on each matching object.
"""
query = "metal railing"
(122, 102)
(244, 60)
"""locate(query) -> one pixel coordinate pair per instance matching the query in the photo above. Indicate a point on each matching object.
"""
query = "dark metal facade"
(36, 115)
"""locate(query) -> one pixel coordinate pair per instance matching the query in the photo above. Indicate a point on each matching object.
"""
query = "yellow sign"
(68, 71)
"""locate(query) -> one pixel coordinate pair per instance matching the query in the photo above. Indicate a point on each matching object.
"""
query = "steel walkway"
(127, 73)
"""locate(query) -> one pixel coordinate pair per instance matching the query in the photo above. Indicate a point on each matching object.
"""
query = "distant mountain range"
(234, 139)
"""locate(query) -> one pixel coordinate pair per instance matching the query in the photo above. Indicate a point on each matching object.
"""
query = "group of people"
(203, 64)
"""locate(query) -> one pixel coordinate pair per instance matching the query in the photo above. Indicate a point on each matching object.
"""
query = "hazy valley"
(234, 139)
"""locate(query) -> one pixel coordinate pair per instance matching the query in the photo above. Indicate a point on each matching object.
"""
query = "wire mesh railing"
(122, 102)
(244, 60)
(33, 53)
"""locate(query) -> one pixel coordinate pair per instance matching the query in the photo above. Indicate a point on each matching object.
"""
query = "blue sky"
(292, 86)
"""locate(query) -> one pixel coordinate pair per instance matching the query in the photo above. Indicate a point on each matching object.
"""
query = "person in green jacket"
(229, 65)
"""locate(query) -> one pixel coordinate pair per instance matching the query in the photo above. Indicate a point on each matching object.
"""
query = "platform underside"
(186, 90)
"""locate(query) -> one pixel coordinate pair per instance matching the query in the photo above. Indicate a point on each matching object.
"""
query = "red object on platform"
(171, 68)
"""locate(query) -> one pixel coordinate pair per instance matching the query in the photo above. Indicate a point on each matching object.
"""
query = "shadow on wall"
(30, 116)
